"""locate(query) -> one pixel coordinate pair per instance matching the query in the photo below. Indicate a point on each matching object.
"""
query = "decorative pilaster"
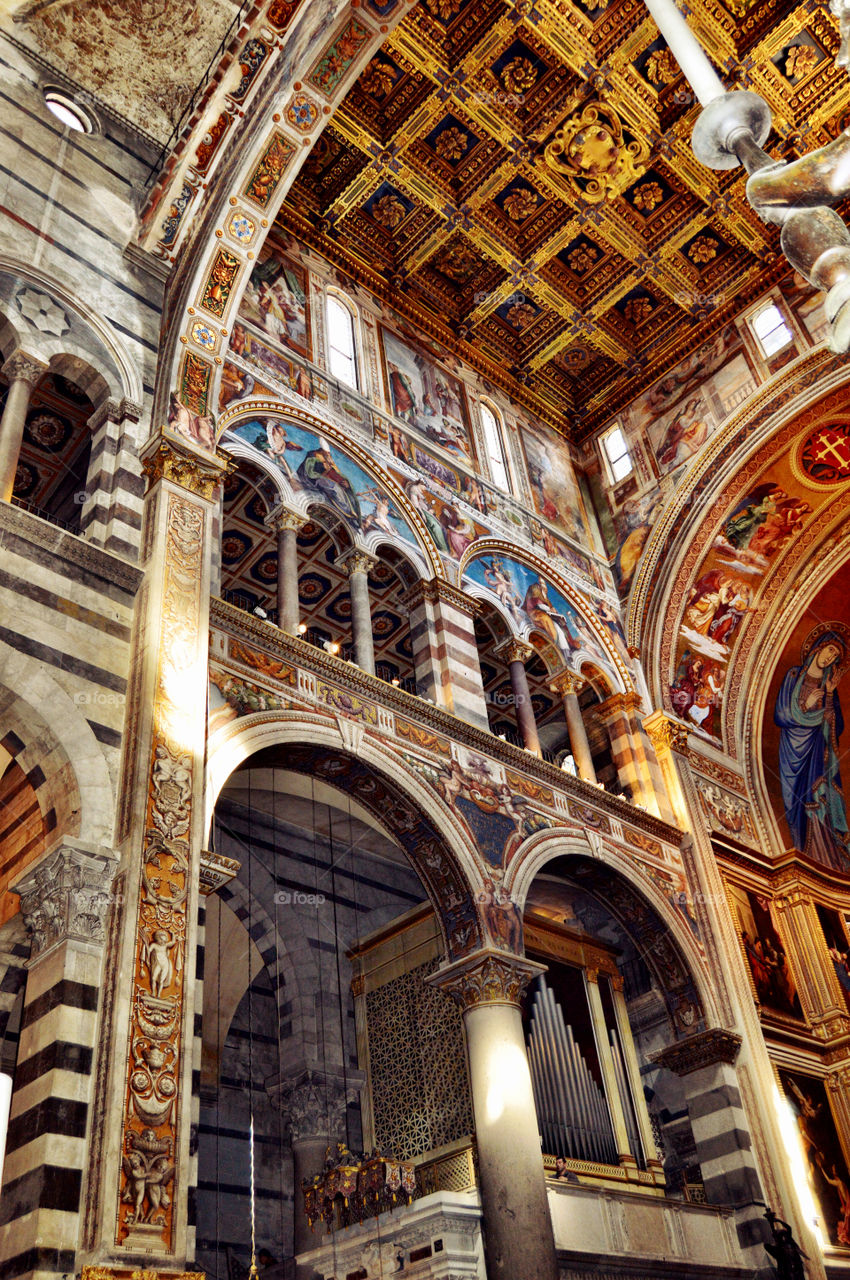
(518, 1238)
(569, 685)
(445, 653)
(65, 897)
(112, 512)
(515, 654)
(287, 524)
(137, 1202)
(670, 738)
(359, 565)
(820, 992)
(619, 714)
(22, 371)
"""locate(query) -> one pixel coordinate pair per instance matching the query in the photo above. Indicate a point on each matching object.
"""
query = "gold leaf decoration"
(452, 143)
(519, 75)
(661, 67)
(518, 205)
(647, 196)
(389, 211)
(703, 250)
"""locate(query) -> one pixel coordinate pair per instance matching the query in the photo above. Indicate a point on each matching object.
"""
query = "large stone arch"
(246, 410)
(614, 867)
(409, 809)
(56, 748)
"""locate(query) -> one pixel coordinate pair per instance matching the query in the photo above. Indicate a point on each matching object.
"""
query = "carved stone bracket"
(216, 870)
(314, 1102)
(65, 897)
(486, 977)
(169, 458)
(704, 1049)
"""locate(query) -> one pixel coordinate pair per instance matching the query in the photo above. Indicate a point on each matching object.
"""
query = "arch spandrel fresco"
(805, 744)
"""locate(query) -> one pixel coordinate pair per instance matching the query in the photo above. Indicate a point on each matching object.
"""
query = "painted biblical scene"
(267, 362)
(426, 397)
(451, 528)
(633, 524)
(826, 1165)
(554, 488)
(765, 954)
(313, 465)
(276, 301)
(837, 946)
(685, 407)
(534, 603)
(804, 740)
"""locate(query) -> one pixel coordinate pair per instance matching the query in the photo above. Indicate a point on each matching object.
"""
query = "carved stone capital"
(282, 520)
(566, 682)
(166, 458)
(65, 896)
(357, 562)
(514, 650)
(435, 591)
(216, 870)
(704, 1049)
(23, 367)
(618, 704)
(313, 1103)
(486, 977)
(666, 734)
(110, 410)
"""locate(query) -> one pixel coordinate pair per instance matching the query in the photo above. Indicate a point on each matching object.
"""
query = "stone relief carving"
(66, 896)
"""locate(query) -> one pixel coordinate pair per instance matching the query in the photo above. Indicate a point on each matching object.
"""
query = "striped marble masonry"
(445, 652)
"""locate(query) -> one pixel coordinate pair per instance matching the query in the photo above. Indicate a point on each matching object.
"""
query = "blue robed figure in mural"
(808, 713)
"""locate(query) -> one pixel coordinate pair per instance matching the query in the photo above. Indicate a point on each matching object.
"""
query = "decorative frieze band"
(704, 1049)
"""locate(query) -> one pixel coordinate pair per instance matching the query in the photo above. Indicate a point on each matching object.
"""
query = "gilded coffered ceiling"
(520, 178)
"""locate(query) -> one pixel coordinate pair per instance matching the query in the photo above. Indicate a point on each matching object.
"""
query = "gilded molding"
(666, 734)
(135, 1273)
(171, 460)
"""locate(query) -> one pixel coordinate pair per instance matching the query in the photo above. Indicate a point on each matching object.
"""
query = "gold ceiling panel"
(527, 188)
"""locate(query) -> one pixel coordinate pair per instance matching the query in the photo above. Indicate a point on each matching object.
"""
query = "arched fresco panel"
(804, 741)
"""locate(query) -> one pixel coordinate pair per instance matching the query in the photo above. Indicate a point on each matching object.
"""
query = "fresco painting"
(534, 603)
(805, 745)
(826, 1165)
(452, 530)
(764, 953)
(553, 484)
(313, 465)
(276, 301)
(251, 350)
(426, 397)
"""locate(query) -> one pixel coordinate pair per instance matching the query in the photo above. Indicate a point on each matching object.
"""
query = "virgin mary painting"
(808, 713)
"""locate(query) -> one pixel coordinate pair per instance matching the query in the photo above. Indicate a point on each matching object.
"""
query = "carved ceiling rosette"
(593, 155)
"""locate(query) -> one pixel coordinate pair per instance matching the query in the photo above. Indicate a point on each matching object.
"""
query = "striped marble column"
(721, 1128)
(619, 714)
(64, 902)
(114, 497)
(445, 653)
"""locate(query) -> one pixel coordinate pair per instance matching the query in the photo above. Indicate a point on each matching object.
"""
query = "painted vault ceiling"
(519, 178)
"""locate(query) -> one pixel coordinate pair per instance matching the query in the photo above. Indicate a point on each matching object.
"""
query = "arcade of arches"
(424, 838)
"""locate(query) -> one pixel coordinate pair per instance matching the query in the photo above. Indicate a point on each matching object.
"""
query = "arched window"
(342, 350)
(495, 447)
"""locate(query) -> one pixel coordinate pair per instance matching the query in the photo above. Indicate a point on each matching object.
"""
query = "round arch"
(89, 349)
(254, 408)
(410, 810)
(613, 866)
(618, 673)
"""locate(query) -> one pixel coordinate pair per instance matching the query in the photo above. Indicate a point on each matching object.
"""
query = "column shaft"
(23, 372)
(524, 709)
(609, 1075)
(358, 566)
(286, 524)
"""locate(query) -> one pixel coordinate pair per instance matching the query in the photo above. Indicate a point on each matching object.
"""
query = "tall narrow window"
(618, 460)
(342, 354)
(495, 447)
(771, 330)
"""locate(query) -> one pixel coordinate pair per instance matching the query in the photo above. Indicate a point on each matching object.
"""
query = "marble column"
(516, 654)
(445, 652)
(629, 750)
(518, 1239)
(23, 372)
(115, 487)
(358, 564)
(287, 524)
(820, 992)
(632, 1067)
(143, 1094)
(668, 737)
(65, 899)
(569, 685)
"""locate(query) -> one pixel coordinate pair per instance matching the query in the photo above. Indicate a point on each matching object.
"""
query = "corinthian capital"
(357, 562)
(65, 896)
(23, 367)
(282, 520)
(514, 650)
(666, 734)
(486, 977)
(314, 1102)
(567, 682)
